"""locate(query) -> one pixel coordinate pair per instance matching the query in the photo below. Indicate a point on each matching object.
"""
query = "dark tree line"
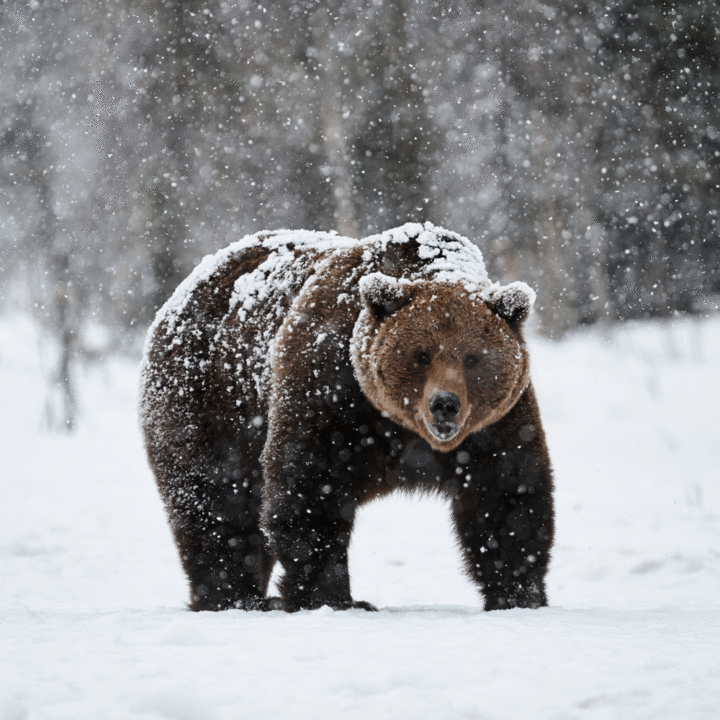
(577, 143)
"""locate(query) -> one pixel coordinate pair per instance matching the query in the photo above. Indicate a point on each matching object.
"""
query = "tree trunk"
(331, 125)
(54, 295)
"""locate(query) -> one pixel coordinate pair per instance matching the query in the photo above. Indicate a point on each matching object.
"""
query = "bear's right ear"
(383, 295)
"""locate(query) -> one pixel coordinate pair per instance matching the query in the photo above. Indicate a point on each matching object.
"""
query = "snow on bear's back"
(278, 243)
(293, 255)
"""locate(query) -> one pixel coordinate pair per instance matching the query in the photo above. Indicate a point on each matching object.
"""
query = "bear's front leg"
(308, 518)
(503, 515)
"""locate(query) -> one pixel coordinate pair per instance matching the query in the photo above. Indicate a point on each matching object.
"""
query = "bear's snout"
(444, 406)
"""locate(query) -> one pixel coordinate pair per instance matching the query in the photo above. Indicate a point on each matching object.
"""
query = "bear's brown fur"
(294, 376)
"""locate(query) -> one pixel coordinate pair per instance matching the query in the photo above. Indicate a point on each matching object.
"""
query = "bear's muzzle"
(444, 407)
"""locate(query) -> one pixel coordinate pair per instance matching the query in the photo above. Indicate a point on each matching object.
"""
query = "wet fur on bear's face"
(438, 360)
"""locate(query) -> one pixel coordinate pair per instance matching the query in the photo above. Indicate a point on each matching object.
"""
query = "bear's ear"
(512, 302)
(383, 295)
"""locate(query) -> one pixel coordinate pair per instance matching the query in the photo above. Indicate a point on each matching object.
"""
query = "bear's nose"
(444, 406)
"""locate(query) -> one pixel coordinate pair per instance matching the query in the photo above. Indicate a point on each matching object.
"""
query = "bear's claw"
(362, 605)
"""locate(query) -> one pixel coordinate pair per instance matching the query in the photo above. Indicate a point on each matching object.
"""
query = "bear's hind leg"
(216, 524)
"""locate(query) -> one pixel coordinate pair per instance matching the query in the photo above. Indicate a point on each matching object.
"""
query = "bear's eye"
(470, 361)
(423, 358)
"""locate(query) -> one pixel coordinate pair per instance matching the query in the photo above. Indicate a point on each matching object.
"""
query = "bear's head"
(439, 359)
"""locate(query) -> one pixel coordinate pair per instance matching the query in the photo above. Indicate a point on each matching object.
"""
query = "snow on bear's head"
(439, 358)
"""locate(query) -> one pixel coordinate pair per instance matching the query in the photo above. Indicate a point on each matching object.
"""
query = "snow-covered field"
(92, 618)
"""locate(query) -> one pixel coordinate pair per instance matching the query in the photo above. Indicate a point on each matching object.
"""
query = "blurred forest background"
(578, 144)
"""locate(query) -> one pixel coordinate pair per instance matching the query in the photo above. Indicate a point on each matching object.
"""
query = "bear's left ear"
(383, 295)
(512, 302)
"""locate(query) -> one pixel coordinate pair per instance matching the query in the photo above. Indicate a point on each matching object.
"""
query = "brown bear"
(295, 376)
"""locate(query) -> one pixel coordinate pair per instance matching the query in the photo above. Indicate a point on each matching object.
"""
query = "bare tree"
(393, 148)
(48, 251)
(328, 31)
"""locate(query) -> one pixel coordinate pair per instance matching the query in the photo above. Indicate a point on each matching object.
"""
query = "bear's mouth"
(443, 430)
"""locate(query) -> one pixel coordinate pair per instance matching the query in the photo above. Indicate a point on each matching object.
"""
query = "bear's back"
(223, 317)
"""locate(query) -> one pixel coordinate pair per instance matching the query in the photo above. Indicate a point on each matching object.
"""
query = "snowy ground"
(92, 618)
